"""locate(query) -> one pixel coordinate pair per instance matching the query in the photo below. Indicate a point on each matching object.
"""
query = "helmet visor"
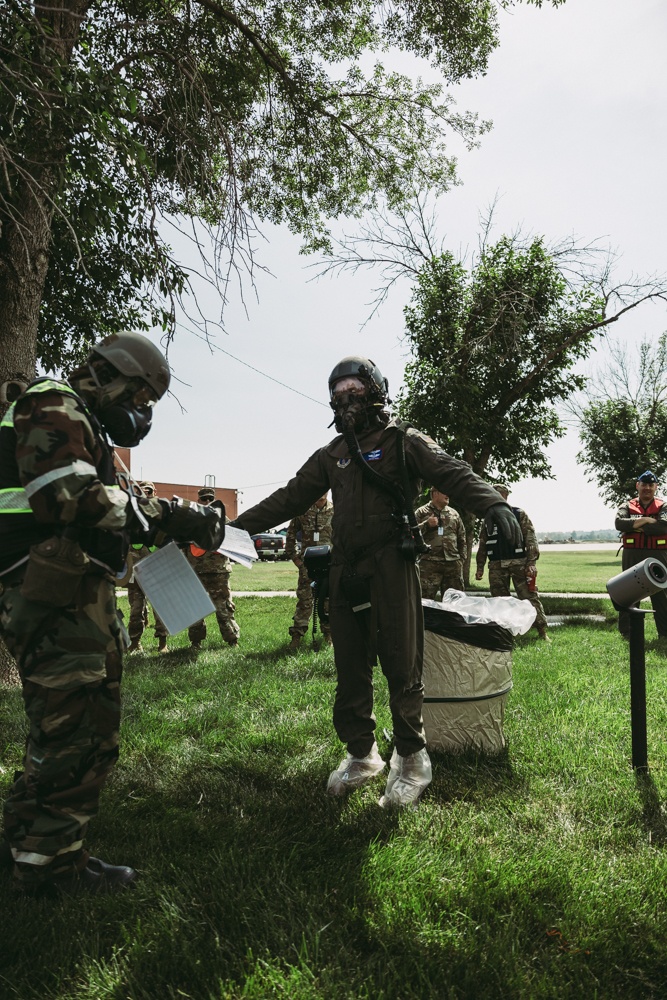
(350, 384)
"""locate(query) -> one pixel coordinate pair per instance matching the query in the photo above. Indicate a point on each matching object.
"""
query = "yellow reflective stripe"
(14, 501)
(49, 385)
(8, 419)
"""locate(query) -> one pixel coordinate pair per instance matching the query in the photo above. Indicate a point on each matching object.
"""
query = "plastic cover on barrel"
(468, 668)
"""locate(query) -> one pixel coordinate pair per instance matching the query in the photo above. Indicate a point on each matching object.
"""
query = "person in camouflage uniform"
(214, 570)
(315, 528)
(519, 565)
(443, 530)
(138, 622)
(65, 525)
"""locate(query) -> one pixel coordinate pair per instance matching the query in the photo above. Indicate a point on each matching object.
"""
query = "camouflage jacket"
(207, 563)
(57, 472)
(532, 551)
(314, 521)
(447, 545)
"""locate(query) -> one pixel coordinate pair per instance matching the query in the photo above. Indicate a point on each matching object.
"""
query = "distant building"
(229, 497)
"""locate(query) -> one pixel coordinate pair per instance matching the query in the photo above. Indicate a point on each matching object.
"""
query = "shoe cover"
(354, 772)
(408, 777)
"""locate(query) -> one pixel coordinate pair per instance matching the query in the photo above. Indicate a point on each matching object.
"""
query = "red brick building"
(168, 490)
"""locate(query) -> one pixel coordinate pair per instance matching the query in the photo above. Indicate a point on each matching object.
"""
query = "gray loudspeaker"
(638, 582)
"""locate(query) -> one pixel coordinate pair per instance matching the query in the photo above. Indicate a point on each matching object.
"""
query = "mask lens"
(351, 385)
(144, 397)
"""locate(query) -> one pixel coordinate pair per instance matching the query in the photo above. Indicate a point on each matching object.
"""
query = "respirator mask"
(349, 401)
(125, 409)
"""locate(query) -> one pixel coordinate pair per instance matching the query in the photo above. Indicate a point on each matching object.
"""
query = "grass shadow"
(654, 817)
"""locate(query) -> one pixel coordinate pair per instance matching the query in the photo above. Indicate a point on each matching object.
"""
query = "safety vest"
(19, 528)
(637, 539)
(498, 547)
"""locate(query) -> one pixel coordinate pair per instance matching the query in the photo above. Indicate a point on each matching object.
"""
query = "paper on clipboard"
(173, 588)
(238, 546)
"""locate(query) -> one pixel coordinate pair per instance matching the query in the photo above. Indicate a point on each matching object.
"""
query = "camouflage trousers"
(499, 585)
(439, 576)
(70, 661)
(217, 587)
(304, 606)
(139, 614)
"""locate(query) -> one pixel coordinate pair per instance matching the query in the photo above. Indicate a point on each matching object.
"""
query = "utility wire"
(257, 485)
(252, 368)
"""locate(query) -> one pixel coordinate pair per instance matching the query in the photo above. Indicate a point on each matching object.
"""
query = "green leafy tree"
(493, 343)
(118, 116)
(493, 351)
(623, 427)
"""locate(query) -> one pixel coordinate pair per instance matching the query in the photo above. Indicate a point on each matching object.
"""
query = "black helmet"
(367, 371)
(135, 356)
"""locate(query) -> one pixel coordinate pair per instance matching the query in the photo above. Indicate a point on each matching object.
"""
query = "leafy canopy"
(493, 350)
(623, 427)
(124, 113)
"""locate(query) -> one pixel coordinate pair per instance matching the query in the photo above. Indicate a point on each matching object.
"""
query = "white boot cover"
(354, 772)
(408, 777)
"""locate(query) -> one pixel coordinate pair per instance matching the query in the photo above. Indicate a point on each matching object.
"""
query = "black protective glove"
(501, 515)
(202, 525)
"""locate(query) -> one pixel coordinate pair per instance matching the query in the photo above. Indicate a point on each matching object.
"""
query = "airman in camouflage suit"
(443, 530)
(214, 570)
(138, 622)
(315, 528)
(65, 525)
(520, 568)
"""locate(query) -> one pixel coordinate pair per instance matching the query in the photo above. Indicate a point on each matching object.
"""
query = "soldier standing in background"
(214, 570)
(137, 599)
(315, 528)
(443, 530)
(507, 561)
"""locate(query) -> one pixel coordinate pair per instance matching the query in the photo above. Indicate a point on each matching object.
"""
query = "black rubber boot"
(97, 878)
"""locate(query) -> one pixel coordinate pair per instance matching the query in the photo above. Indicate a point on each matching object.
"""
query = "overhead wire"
(253, 368)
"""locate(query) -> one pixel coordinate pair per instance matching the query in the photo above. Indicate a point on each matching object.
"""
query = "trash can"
(468, 668)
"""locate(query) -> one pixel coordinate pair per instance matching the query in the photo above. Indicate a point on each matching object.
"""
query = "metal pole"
(638, 690)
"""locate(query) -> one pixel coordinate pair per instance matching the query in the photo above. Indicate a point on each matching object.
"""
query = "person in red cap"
(642, 522)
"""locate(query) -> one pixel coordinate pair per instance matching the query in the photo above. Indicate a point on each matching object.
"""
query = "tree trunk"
(469, 521)
(25, 231)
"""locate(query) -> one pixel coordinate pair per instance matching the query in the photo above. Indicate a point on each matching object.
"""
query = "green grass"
(540, 873)
(561, 572)
(265, 576)
(573, 572)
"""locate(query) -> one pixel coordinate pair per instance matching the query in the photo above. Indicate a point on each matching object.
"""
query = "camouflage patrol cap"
(206, 493)
(136, 357)
(146, 484)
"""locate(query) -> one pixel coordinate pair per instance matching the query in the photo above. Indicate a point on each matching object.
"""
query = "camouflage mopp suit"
(315, 528)
(442, 567)
(69, 656)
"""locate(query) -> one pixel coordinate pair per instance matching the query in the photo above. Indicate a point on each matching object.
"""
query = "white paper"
(238, 546)
(173, 588)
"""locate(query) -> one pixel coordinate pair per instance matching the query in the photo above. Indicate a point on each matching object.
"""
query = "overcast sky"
(576, 96)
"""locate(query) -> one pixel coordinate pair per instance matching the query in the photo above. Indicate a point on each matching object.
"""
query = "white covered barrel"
(467, 678)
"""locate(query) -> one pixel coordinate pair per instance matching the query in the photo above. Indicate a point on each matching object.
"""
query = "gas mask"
(349, 401)
(124, 408)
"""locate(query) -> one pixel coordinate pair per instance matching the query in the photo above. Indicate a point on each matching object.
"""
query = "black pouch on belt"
(55, 569)
(357, 591)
